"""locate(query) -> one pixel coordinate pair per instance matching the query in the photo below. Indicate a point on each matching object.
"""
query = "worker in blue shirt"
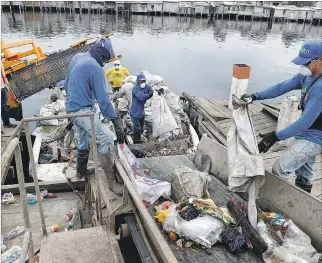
(307, 130)
(84, 84)
(141, 92)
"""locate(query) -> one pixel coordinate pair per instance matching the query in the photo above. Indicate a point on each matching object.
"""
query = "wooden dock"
(214, 118)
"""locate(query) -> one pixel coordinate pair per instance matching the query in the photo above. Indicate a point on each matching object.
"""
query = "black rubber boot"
(6, 120)
(107, 163)
(81, 166)
(137, 138)
(303, 186)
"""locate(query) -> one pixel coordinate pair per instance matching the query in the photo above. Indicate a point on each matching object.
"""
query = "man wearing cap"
(307, 130)
(84, 84)
(116, 75)
(141, 92)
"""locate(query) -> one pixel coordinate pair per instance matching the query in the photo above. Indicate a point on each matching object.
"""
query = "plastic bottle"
(55, 228)
(16, 232)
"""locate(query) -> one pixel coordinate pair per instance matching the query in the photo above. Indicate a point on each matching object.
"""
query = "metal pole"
(94, 153)
(7, 154)
(14, 134)
(25, 244)
(35, 177)
(23, 194)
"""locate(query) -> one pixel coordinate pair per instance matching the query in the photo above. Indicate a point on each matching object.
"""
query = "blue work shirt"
(84, 83)
(312, 105)
(139, 98)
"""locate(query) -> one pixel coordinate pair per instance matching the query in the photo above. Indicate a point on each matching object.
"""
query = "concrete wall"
(291, 14)
(245, 10)
(317, 13)
(306, 14)
(279, 13)
(155, 7)
(170, 7)
(275, 195)
(201, 9)
(139, 7)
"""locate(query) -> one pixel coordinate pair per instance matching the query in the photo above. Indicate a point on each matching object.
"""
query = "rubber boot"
(137, 138)
(81, 165)
(107, 163)
(303, 186)
(6, 120)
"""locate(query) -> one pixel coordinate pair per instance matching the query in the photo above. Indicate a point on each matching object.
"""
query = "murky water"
(193, 55)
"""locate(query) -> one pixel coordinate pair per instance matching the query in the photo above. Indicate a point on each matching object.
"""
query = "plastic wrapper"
(204, 230)
(7, 198)
(296, 247)
(148, 189)
(289, 113)
(11, 255)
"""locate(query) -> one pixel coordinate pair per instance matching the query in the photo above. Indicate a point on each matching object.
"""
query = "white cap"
(117, 62)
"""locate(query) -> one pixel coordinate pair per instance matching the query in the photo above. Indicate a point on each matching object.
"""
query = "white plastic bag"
(289, 113)
(296, 247)
(246, 167)
(54, 108)
(11, 255)
(205, 230)
(153, 80)
(162, 118)
(148, 189)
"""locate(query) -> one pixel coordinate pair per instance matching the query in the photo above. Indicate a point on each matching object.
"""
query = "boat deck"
(54, 210)
(161, 168)
(215, 119)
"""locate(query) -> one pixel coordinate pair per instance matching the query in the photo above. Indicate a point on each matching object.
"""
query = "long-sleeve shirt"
(312, 108)
(139, 98)
(84, 83)
(116, 76)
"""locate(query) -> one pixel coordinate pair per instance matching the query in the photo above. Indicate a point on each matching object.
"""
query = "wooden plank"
(221, 108)
(270, 112)
(205, 105)
(59, 185)
(222, 138)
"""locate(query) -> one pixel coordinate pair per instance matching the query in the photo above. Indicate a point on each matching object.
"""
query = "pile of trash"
(165, 118)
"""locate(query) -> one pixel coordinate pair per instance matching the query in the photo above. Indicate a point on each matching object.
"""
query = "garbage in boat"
(7, 198)
(32, 199)
(234, 239)
(188, 182)
(203, 230)
(16, 232)
(148, 189)
(246, 166)
(286, 241)
(11, 255)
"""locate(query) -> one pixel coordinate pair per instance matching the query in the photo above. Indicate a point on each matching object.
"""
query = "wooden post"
(239, 83)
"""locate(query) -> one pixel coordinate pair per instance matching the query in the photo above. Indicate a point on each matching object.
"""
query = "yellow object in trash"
(162, 215)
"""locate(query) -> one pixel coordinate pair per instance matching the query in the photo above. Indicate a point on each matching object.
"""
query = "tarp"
(246, 167)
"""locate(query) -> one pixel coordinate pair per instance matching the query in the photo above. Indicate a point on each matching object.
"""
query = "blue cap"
(310, 50)
(140, 77)
(60, 84)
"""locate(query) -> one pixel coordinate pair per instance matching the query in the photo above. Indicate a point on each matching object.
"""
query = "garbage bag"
(188, 182)
(153, 80)
(296, 247)
(289, 113)
(204, 230)
(50, 109)
(233, 240)
(246, 167)
(163, 121)
(148, 189)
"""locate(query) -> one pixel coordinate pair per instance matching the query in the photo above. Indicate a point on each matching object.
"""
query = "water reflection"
(192, 54)
(52, 24)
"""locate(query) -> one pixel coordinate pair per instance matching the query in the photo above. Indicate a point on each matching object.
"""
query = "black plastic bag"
(233, 240)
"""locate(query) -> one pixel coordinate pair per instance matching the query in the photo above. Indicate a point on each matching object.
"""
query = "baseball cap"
(310, 50)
